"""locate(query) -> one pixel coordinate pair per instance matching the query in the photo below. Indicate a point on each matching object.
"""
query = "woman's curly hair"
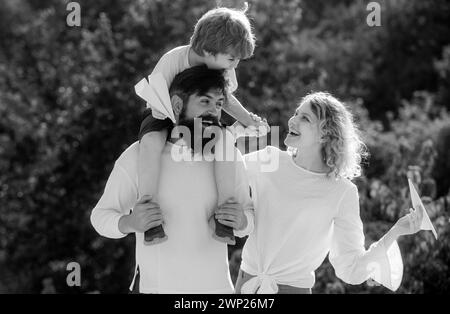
(342, 147)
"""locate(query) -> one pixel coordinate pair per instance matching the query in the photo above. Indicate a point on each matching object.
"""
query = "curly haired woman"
(308, 208)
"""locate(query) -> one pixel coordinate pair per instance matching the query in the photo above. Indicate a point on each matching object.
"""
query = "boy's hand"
(145, 215)
(260, 126)
(231, 214)
(255, 117)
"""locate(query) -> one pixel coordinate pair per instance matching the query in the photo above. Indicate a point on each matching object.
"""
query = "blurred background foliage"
(68, 109)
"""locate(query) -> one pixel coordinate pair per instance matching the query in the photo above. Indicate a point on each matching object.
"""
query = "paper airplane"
(156, 93)
(418, 205)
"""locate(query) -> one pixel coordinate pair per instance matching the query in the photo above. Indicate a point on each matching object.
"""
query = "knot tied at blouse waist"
(260, 284)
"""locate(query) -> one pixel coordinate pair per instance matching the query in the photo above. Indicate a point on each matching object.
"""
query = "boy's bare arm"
(245, 118)
(235, 109)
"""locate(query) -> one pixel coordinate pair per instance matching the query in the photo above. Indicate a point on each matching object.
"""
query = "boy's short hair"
(198, 80)
(224, 30)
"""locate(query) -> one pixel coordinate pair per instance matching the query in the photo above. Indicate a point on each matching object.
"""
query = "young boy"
(221, 38)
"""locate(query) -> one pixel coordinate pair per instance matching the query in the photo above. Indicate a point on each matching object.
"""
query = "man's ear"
(177, 104)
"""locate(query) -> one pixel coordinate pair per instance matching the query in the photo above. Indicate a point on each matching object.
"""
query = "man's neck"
(310, 160)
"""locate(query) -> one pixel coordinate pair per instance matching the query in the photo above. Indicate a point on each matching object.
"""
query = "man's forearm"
(106, 222)
(124, 225)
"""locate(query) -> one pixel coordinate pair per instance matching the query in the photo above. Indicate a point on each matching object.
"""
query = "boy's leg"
(153, 136)
(150, 150)
(225, 175)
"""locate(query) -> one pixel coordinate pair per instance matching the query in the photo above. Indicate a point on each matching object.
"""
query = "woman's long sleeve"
(352, 263)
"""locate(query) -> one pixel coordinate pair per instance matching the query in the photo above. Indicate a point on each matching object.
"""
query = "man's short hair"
(224, 30)
(198, 80)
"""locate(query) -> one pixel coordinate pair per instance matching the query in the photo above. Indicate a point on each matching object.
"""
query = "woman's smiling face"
(304, 131)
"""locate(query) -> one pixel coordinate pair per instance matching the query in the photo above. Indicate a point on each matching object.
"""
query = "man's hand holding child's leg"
(146, 215)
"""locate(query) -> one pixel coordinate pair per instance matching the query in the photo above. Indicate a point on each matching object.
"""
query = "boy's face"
(221, 61)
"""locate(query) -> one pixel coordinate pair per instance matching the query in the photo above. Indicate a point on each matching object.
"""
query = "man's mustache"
(210, 119)
(201, 123)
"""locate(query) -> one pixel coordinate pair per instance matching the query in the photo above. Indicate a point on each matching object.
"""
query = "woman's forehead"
(304, 107)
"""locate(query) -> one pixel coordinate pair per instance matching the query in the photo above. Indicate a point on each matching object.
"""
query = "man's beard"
(197, 127)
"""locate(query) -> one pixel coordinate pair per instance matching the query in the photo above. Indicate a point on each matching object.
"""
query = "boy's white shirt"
(191, 260)
(155, 90)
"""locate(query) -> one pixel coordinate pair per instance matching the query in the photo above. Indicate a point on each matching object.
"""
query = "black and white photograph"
(243, 149)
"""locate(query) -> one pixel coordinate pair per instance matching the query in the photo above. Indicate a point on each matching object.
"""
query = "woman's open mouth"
(293, 133)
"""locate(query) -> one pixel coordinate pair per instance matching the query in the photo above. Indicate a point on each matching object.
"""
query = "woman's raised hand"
(410, 223)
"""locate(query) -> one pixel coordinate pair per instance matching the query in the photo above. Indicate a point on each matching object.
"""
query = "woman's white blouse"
(300, 217)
